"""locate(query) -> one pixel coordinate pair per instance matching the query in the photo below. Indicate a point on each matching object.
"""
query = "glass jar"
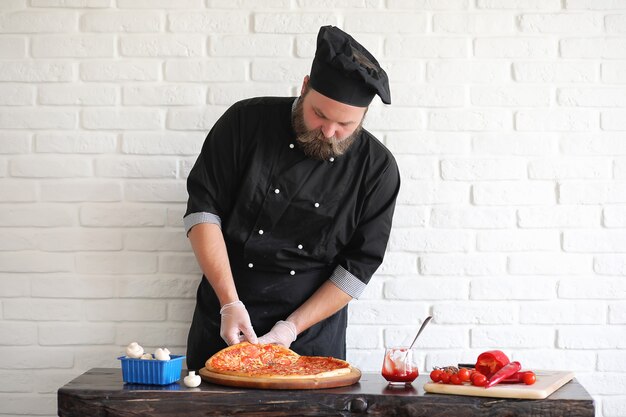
(399, 366)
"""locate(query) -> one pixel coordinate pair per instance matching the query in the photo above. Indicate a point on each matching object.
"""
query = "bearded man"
(290, 209)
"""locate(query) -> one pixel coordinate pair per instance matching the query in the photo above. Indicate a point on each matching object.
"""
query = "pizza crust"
(326, 374)
(334, 372)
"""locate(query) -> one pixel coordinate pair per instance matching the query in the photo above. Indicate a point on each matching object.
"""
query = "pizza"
(273, 361)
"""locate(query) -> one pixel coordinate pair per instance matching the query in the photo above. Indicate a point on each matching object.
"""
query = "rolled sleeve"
(347, 282)
(193, 219)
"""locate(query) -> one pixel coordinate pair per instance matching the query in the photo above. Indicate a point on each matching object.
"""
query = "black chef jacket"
(290, 222)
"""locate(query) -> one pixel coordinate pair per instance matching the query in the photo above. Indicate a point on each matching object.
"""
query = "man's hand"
(283, 333)
(235, 320)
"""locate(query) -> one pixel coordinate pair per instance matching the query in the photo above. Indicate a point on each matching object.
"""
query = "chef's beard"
(313, 142)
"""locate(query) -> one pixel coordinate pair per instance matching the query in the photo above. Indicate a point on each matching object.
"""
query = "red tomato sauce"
(397, 375)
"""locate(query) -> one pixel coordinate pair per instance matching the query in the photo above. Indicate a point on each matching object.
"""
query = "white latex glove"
(235, 320)
(283, 333)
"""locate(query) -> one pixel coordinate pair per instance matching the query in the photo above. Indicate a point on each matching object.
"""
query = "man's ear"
(305, 82)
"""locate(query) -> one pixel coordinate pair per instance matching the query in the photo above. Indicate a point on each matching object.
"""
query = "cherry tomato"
(464, 374)
(455, 380)
(529, 378)
(479, 380)
(474, 374)
(435, 375)
(445, 377)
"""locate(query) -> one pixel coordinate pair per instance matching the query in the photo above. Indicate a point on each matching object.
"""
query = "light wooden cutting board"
(547, 383)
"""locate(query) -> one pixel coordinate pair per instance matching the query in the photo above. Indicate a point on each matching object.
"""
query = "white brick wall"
(507, 125)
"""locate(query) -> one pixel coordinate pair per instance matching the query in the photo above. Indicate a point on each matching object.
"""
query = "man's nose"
(329, 130)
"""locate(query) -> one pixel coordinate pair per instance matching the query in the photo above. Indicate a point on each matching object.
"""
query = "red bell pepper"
(506, 371)
(490, 362)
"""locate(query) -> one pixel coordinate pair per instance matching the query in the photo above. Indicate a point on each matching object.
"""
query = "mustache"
(316, 135)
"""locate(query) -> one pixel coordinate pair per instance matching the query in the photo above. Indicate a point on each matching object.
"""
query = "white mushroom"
(192, 380)
(162, 354)
(134, 351)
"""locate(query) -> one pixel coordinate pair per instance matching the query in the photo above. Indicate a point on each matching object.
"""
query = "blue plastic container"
(151, 371)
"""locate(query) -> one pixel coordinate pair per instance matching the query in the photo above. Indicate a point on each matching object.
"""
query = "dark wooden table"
(100, 392)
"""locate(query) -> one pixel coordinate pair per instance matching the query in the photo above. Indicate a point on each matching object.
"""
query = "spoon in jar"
(426, 320)
(403, 359)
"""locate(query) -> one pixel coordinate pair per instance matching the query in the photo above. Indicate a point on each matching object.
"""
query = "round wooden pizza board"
(282, 383)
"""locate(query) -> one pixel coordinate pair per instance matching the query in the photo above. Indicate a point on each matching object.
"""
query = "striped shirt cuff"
(193, 219)
(347, 282)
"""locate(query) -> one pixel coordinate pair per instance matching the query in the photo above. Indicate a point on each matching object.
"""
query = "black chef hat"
(337, 73)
